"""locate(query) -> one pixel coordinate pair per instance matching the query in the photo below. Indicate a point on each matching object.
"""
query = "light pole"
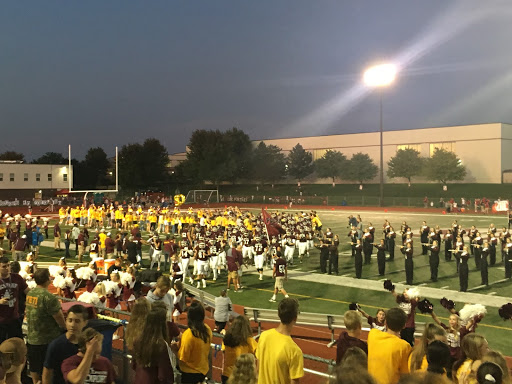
(381, 75)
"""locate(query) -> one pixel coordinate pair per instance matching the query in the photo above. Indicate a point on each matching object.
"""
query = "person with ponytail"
(489, 373)
(418, 357)
(194, 347)
(474, 347)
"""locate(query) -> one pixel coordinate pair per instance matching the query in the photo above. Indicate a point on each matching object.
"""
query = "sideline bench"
(207, 299)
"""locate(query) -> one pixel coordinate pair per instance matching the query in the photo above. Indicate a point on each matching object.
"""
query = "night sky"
(107, 73)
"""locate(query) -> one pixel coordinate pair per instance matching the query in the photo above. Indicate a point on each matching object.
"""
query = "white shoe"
(204, 285)
(198, 285)
(272, 300)
(261, 278)
(214, 279)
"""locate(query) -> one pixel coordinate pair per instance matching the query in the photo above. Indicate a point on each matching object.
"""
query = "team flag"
(273, 227)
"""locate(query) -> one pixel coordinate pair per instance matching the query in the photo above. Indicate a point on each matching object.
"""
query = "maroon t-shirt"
(10, 288)
(101, 370)
(345, 342)
(280, 267)
(232, 260)
(109, 245)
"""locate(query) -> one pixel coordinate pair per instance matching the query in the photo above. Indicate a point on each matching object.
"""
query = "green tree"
(360, 168)
(300, 162)
(444, 166)
(51, 158)
(218, 156)
(407, 163)
(12, 156)
(331, 165)
(130, 168)
(268, 163)
(154, 163)
(94, 169)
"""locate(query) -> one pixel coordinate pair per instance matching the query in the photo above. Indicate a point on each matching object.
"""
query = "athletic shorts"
(36, 354)
(233, 274)
(279, 282)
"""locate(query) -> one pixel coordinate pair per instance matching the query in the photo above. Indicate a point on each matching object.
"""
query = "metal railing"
(122, 359)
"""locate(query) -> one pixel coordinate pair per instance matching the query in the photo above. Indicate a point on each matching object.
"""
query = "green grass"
(325, 298)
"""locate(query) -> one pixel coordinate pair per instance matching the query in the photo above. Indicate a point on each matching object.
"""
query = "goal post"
(202, 196)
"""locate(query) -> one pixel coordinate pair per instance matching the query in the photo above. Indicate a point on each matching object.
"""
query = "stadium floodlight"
(381, 75)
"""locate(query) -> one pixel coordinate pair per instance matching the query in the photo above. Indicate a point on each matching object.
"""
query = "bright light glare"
(380, 75)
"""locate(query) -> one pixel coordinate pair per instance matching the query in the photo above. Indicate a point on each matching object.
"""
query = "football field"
(321, 293)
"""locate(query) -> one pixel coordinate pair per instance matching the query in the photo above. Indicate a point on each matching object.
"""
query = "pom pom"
(448, 304)
(84, 273)
(353, 306)
(472, 311)
(55, 270)
(389, 286)
(425, 306)
(31, 284)
(62, 282)
(125, 278)
(27, 216)
(23, 274)
(110, 286)
(505, 311)
(90, 298)
(412, 293)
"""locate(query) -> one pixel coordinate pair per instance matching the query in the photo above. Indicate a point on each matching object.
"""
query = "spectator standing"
(280, 359)
(137, 322)
(161, 294)
(237, 341)
(56, 236)
(88, 366)
(222, 311)
(75, 232)
(65, 345)
(45, 322)
(350, 337)
(19, 247)
(11, 285)
(152, 352)
(388, 354)
(194, 348)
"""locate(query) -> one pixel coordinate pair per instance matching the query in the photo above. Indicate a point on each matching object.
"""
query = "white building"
(22, 179)
(484, 149)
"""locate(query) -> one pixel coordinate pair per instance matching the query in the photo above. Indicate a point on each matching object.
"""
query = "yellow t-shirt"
(193, 353)
(231, 354)
(2, 232)
(467, 367)
(102, 237)
(424, 364)
(280, 359)
(388, 356)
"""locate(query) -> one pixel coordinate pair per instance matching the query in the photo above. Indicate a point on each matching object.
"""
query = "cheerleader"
(58, 270)
(96, 298)
(69, 290)
(89, 274)
(452, 334)
(128, 281)
(113, 288)
(65, 286)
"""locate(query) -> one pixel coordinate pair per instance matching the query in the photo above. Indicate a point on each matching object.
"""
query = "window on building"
(447, 146)
(318, 153)
(25, 177)
(65, 177)
(49, 177)
(416, 147)
(1, 177)
(38, 177)
(11, 176)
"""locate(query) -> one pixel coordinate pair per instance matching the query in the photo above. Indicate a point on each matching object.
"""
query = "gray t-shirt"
(168, 299)
(222, 309)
